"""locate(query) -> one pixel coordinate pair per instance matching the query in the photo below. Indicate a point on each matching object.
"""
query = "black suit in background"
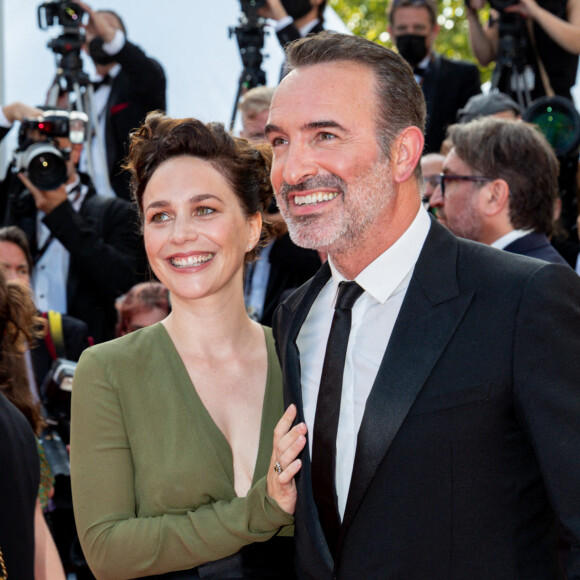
(290, 267)
(447, 85)
(106, 253)
(138, 89)
(536, 245)
(467, 454)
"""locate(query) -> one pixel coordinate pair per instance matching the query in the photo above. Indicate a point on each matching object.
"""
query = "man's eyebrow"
(270, 128)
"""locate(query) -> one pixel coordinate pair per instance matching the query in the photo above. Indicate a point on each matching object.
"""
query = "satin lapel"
(433, 307)
(309, 534)
(298, 313)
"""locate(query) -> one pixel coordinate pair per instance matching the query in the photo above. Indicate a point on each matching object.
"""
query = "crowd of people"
(344, 343)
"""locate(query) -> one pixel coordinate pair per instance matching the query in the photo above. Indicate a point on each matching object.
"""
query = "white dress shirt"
(51, 271)
(385, 282)
(100, 100)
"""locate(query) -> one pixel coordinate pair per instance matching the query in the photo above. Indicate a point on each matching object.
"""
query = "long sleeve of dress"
(146, 482)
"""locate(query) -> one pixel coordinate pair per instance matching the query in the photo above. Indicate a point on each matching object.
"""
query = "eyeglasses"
(443, 177)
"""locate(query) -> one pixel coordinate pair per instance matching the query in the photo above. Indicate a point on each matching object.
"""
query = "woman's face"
(196, 233)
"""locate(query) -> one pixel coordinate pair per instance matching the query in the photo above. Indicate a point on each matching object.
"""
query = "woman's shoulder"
(143, 343)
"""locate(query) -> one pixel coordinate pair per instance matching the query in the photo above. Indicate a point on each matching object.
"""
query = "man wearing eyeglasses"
(499, 186)
(438, 379)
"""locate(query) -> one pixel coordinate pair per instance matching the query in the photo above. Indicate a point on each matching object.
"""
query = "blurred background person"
(499, 186)
(255, 107)
(128, 85)
(494, 104)
(446, 84)
(145, 304)
(294, 19)
(431, 166)
(86, 248)
(538, 35)
(26, 546)
(60, 337)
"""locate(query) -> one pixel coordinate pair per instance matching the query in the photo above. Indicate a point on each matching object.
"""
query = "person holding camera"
(546, 32)
(294, 19)
(128, 85)
(85, 247)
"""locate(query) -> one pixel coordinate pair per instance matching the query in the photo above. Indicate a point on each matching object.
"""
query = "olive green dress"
(152, 474)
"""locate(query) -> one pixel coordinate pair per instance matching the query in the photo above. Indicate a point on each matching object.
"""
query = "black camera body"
(38, 154)
(68, 14)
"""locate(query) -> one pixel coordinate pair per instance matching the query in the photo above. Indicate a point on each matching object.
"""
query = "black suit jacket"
(447, 85)
(536, 245)
(290, 267)
(106, 253)
(468, 450)
(138, 89)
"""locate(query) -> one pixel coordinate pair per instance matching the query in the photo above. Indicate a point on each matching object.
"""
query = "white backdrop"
(188, 37)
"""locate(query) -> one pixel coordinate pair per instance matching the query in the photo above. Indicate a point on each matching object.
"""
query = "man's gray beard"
(374, 192)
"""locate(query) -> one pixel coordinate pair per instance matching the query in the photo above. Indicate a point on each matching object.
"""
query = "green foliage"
(368, 18)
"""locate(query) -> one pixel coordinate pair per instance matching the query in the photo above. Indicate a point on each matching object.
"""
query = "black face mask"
(412, 47)
(297, 8)
(97, 53)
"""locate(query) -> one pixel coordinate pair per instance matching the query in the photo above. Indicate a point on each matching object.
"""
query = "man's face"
(253, 127)
(331, 180)
(460, 209)
(413, 20)
(13, 262)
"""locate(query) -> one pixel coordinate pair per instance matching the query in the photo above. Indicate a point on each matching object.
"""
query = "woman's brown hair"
(245, 166)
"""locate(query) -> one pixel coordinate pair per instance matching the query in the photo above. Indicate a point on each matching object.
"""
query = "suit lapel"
(291, 356)
(433, 307)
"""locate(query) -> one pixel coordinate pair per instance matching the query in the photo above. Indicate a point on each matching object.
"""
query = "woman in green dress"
(174, 472)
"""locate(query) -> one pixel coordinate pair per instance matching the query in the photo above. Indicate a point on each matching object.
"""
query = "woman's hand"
(288, 443)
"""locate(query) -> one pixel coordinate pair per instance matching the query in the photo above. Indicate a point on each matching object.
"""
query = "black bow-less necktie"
(328, 411)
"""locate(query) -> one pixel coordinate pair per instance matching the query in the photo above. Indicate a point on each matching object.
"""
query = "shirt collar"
(308, 27)
(510, 237)
(382, 277)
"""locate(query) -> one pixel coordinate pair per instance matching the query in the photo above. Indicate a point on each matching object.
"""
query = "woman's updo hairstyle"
(245, 167)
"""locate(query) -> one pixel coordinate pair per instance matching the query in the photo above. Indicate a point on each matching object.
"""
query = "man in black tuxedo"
(446, 84)
(499, 187)
(130, 84)
(447, 445)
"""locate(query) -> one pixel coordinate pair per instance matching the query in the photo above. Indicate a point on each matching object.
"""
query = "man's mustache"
(318, 182)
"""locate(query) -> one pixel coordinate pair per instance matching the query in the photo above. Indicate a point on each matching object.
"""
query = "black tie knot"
(348, 294)
(106, 80)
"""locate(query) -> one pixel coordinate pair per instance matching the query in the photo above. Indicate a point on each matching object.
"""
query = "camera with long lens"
(559, 121)
(38, 154)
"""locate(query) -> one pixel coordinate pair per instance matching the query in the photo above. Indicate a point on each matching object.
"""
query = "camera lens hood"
(44, 164)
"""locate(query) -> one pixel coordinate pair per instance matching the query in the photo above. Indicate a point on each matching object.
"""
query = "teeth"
(191, 261)
(314, 198)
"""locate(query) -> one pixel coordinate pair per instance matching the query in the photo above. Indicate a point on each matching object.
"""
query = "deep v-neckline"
(198, 404)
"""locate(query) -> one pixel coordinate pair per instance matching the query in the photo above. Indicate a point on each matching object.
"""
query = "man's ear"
(496, 197)
(406, 153)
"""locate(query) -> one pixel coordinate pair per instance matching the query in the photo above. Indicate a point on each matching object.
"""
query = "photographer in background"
(129, 84)
(85, 247)
(294, 19)
(14, 112)
(555, 40)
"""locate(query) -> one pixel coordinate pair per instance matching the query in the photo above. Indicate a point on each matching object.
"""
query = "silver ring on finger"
(277, 468)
